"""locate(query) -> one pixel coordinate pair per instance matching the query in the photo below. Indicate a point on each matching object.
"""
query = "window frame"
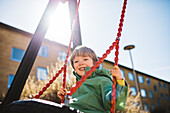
(160, 85)
(155, 88)
(101, 66)
(147, 106)
(62, 55)
(148, 81)
(40, 77)
(141, 77)
(150, 94)
(129, 76)
(122, 72)
(133, 90)
(168, 97)
(165, 86)
(162, 96)
(143, 91)
(13, 52)
(42, 49)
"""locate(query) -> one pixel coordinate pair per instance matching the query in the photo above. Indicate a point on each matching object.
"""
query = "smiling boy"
(94, 96)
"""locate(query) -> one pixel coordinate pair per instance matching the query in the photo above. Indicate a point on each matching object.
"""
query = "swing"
(49, 107)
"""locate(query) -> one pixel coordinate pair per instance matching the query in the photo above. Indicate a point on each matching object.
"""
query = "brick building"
(13, 43)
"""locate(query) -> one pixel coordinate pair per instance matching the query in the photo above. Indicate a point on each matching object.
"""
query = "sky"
(146, 25)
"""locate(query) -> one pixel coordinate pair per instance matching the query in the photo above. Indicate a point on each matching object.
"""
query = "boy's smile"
(80, 62)
(82, 68)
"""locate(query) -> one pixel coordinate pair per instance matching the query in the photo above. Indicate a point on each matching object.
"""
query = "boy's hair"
(83, 51)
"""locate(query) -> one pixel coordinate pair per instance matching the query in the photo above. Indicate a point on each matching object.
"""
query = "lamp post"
(129, 47)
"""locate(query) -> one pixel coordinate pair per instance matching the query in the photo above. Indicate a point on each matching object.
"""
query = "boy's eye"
(85, 59)
(75, 61)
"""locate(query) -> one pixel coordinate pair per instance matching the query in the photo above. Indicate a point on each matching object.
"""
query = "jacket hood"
(97, 72)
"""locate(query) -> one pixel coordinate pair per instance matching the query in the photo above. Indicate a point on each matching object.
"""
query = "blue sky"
(147, 26)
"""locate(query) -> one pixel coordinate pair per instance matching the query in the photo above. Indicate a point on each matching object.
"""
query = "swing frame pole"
(27, 62)
(77, 33)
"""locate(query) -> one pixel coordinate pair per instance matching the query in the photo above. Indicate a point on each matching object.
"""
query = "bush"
(133, 104)
(33, 86)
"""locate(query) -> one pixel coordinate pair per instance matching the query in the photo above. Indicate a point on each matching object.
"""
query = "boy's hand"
(116, 73)
(62, 93)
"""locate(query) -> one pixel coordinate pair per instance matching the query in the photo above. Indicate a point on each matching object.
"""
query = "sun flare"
(59, 25)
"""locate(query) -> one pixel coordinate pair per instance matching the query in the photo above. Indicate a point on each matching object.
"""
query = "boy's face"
(80, 62)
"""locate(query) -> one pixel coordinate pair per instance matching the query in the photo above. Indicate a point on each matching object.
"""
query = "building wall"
(11, 37)
(165, 103)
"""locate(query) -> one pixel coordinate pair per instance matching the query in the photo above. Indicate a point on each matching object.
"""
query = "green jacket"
(94, 96)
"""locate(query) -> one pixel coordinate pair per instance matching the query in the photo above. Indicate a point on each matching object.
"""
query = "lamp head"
(129, 47)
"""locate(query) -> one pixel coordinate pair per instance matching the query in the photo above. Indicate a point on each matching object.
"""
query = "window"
(62, 55)
(165, 86)
(101, 66)
(10, 79)
(17, 54)
(141, 80)
(43, 51)
(168, 98)
(133, 89)
(160, 85)
(146, 107)
(42, 73)
(159, 102)
(162, 96)
(153, 107)
(143, 93)
(148, 81)
(155, 88)
(131, 76)
(150, 94)
(123, 73)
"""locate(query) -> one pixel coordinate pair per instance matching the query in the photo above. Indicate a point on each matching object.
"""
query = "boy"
(94, 96)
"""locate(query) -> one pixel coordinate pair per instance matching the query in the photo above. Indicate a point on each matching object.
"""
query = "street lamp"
(129, 47)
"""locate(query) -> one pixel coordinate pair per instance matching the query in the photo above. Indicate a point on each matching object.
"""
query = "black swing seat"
(36, 106)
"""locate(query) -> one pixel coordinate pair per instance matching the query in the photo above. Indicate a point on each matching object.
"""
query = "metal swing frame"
(27, 62)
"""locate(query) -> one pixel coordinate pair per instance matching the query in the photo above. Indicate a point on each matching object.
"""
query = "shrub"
(33, 86)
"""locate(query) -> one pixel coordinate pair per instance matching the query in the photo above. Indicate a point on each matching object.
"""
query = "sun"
(59, 25)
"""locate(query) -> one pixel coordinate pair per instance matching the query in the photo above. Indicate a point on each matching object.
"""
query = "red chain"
(65, 64)
(93, 68)
(64, 81)
(116, 56)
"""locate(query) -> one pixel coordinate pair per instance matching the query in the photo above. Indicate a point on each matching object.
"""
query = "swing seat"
(36, 106)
